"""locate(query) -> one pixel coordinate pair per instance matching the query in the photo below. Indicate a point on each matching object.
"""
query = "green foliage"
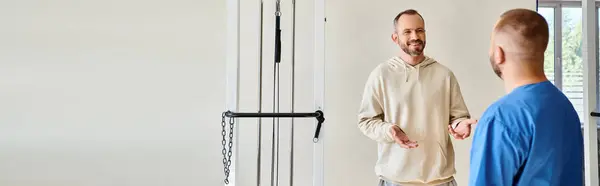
(571, 54)
(571, 45)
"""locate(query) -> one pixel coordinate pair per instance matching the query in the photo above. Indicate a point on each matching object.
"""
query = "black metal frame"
(317, 114)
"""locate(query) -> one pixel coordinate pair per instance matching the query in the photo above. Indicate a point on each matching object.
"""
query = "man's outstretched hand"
(402, 139)
(463, 130)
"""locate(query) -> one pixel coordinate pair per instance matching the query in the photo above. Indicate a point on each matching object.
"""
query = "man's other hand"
(463, 129)
(402, 139)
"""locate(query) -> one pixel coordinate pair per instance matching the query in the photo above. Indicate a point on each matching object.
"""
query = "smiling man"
(410, 105)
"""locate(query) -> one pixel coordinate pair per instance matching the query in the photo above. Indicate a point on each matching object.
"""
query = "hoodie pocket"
(446, 162)
(442, 157)
(442, 151)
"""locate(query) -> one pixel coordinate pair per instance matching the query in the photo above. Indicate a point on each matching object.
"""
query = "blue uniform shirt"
(531, 136)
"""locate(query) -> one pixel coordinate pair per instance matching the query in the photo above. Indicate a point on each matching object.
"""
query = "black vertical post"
(277, 38)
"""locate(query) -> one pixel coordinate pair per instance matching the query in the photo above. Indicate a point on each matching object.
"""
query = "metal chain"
(227, 154)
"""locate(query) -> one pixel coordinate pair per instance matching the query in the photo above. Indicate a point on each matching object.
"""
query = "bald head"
(519, 40)
(522, 34)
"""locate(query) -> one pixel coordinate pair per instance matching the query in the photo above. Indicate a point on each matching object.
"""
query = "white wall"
(130, 92)
(111, 92)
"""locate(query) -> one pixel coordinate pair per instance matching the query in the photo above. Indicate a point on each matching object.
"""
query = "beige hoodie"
(422, 100)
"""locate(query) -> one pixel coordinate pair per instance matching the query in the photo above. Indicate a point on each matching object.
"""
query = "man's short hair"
(527, 28)
(407, 12)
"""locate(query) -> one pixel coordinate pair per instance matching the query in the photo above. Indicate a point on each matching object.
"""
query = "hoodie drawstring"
(406, 73)
(418, 70)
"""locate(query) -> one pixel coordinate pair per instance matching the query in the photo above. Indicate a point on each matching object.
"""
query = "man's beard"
(495, 67)
(413, 52)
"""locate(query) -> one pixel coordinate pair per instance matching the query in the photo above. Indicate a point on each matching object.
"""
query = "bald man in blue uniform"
(532, 135)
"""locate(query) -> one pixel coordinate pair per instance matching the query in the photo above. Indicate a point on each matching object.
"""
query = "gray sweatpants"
(385, 183)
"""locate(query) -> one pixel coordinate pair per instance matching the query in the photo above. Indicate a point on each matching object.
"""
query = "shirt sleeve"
(497, 154)
(371, 115)
(458, 108)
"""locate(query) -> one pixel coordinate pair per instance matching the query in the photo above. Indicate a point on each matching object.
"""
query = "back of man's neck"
(512, 83)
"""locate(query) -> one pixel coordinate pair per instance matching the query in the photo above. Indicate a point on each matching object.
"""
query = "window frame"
(558, 72)
(557, 7)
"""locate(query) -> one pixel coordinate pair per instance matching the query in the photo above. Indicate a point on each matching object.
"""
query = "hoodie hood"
(397, 63)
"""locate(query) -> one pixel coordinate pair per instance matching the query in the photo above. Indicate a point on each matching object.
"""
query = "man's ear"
(395, 37)
(500, 56)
